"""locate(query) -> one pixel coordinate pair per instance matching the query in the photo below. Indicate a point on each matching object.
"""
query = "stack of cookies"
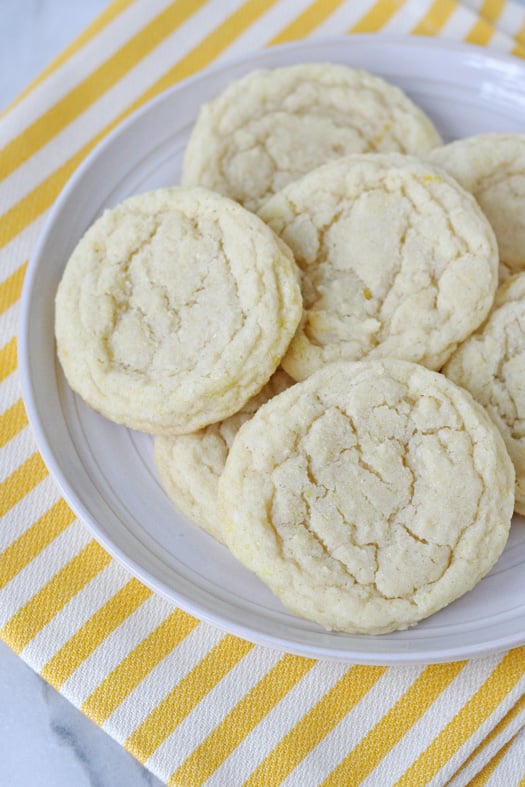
(311, 327)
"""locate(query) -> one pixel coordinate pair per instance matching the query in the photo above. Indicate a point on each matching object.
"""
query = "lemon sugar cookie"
(368, 496)
(190, 465)
(396, 259)
(492, 167)
(491, 365)
(272, 126)
(174, 310)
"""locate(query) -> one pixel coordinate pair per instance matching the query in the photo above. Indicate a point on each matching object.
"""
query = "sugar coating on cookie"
(368, 496)
(174, 310)
(491, 365)
(492, 167)
(272, 126)
(190, 465)
(396, 259)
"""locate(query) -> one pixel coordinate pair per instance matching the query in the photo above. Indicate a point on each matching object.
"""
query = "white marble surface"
(44, 740)
(32, 33)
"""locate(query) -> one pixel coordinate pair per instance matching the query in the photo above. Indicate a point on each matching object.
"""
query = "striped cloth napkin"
(194, 704)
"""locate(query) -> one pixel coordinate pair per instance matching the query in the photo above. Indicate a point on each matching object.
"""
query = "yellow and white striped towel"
(195, 705)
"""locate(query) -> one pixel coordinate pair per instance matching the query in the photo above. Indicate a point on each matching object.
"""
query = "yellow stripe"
(315, 725)
(240, 721)
(401, 717)
(85, 93)
(481, 778)
(21, 482)
(33, 540)
(377, 17)
(480, 33)
(8, 359)
(492, 9)
(12, 421)
(519, 49)
(497, 730)
(94, 631)
(42, 197)
(520, 35)
(53, 596)
(306, 22)
(103, 20)
(121, 681)
(435, 19)
(209, 48)
(480, 706)
(11, 288)
(185, 696)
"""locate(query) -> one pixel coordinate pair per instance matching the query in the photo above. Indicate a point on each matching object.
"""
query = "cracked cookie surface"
(396, 260)
(368, 496)
(190, 465)
(492, 168)
(270, 127)
(174, 310)
(491, 365)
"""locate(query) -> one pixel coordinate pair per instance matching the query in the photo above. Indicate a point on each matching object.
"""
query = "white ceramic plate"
(106, 472)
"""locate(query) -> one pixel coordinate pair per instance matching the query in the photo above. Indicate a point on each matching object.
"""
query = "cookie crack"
(121, 306)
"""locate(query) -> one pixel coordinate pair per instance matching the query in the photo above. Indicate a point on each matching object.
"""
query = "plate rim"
(67, 490)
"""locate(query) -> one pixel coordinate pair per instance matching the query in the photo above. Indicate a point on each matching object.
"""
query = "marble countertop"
(47, 742)
(32, 33)
(44, 740)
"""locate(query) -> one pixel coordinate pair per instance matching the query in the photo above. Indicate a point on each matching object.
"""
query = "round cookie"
(190, 465)
(396, 258)
(368, 496)
(175, 309)
(492, 167)
(270, 127)
(491, 365)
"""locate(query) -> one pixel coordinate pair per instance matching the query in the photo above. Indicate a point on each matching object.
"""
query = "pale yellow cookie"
(174, 310)
(190, 465)
(270, 127)
(368, 496)
(491, 365)
(396, 258)
(492, 167)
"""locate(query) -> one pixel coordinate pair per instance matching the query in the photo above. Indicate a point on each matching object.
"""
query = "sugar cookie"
(270, 127)
(190, 465)
(491, 365)
(175, 309)
(368, 496)
(492, 167)
(396, 258)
